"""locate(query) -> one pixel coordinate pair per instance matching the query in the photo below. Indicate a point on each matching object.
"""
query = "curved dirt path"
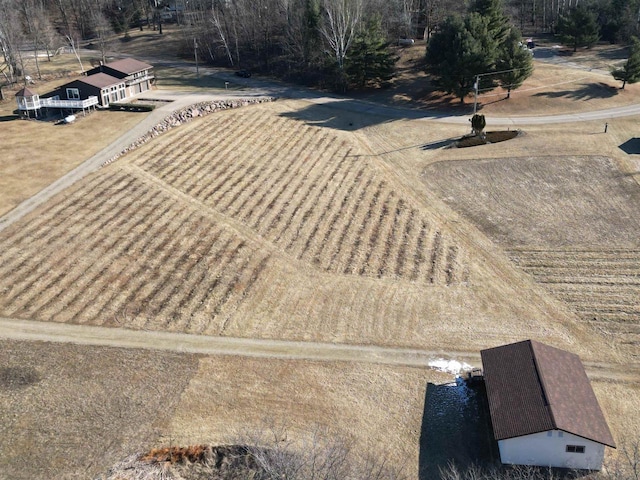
(29, 330)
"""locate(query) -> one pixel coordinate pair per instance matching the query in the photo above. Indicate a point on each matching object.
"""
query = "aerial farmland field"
(262, 223)
(299, 235)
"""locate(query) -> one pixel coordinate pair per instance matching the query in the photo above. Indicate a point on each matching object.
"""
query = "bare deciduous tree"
(339, 26)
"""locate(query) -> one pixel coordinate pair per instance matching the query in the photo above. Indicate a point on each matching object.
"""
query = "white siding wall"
(551, 451)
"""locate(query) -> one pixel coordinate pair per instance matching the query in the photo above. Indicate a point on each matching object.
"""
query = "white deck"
(34, 104)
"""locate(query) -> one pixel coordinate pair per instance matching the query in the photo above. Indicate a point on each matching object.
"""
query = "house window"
(575, 448)
(549, 433)
(560, 434)
(73, 94)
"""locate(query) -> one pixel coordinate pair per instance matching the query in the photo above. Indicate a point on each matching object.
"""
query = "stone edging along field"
(185, 115)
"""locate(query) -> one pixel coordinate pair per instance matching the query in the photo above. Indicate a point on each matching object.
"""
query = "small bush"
(131, 107)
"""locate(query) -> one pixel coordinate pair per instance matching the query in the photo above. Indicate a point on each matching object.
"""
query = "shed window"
(575, 448)
(73, 94)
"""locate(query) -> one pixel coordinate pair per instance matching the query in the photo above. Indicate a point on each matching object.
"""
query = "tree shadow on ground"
(348, 115)
(588, 91)
(631, 146)
(436, 100)
(438, 144)
(8, 118)
(456, 429)
(621, 53)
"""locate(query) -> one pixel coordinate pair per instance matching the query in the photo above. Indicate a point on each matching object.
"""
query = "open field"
(71, 411)
(303, 238)
(303, 222)
(63, 398)
(570, 222)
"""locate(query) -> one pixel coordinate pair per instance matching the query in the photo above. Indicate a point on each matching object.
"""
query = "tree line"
(337, 44)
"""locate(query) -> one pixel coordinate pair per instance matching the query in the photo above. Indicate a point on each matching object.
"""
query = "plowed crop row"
(309, 192)
(602, 286)
(119, 251)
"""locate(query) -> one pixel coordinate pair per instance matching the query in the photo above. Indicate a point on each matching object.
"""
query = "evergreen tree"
(369, 60)
(493, 10)
(579, 28)
(461, 50)
(630, 72)
(514, 64)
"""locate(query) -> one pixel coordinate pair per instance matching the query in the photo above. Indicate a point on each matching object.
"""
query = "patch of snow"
(449, 366)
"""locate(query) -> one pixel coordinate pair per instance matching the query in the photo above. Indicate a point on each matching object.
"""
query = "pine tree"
(514, 64)
(459, 51)
(498, 22)
(369, 60)
(630, 72)
(579, 28)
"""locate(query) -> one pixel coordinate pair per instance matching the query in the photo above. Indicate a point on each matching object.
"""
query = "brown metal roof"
(25, 92)
(101, 80)
(533, 387)
(128, 65)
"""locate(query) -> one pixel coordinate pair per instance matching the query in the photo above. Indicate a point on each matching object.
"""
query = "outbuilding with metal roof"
(543, 409)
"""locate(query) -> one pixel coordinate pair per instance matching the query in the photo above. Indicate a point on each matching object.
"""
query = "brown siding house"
(107, 88)
(137, 75)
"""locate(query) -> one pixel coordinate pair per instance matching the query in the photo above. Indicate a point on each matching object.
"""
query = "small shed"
(543, 409)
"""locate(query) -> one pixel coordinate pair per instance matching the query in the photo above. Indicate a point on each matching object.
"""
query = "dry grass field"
(570, 222)
(70, 411)
(300, 235)
(296, 221)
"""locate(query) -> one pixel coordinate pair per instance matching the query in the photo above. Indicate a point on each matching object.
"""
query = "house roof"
(128, 65)
(25, 92)
(533, 387)
(101, 80)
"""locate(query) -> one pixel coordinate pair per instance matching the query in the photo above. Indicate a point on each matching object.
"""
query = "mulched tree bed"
(489, 137)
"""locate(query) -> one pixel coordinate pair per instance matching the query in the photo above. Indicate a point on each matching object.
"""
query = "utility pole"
(195, 52)
(476, 86)
(475, 94)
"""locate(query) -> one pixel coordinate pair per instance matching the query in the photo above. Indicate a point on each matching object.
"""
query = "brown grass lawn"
(551, 89)
(90, 407)
(304, 235)
(70, 411)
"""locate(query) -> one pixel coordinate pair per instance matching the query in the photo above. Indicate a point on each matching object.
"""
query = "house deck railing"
(32, 104)
(50, 102)
(134, 81)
